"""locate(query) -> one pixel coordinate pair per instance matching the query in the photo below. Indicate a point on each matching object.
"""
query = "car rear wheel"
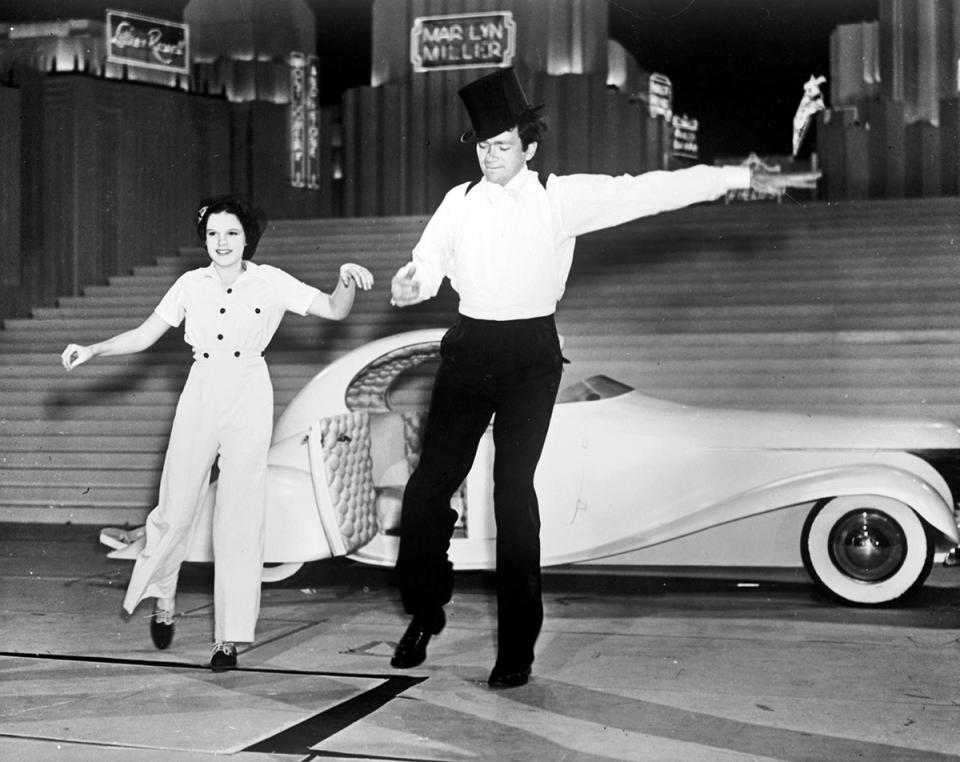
(866, 549)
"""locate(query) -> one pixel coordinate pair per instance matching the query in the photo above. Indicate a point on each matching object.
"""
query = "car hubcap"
(868, 545)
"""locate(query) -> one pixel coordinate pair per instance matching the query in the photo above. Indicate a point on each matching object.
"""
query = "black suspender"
(473, 184)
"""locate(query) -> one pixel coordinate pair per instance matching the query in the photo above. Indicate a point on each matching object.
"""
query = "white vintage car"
(862, 503)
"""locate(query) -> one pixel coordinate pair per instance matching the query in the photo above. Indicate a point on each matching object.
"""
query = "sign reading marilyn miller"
(463, 41)
(151, 43)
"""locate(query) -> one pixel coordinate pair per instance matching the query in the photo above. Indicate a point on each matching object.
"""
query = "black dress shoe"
(508, 677)
(412, 648)
(224, 657)
(161, 628)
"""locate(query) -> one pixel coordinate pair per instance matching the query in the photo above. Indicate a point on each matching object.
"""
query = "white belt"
(243, 356)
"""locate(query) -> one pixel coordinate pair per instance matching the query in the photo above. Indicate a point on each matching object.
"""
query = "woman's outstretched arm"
(126, 343)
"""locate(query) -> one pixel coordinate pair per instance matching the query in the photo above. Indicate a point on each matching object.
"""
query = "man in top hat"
(506, 243)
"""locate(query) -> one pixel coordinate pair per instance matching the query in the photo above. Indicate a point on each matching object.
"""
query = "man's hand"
(404, 290)
(777, 182)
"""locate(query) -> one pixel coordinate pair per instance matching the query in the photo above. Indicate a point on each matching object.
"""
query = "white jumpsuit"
(225, 409)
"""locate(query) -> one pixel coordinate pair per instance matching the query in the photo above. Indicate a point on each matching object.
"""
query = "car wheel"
(279, 572)
(866, 549)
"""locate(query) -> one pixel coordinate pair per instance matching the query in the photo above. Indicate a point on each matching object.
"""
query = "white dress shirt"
(507, 250)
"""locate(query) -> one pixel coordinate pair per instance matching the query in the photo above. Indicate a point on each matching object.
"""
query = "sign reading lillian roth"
(463, 41)
(151, 43)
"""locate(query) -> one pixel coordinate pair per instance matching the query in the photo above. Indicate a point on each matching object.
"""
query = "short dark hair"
(531, 130)
(252, 220)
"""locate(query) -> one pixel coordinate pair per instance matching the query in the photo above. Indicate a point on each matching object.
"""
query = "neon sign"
(150, 43)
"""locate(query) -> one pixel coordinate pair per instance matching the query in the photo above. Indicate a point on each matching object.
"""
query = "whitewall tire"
(866, 549)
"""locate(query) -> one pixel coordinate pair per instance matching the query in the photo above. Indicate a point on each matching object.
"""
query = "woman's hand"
(75, 355)
(337, 306)
(357, 275)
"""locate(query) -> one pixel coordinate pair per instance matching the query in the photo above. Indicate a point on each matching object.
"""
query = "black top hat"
(495, 103)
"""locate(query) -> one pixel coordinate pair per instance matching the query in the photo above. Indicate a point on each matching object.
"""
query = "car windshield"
(593, 388)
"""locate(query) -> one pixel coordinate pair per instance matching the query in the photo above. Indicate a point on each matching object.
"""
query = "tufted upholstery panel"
(348, 510)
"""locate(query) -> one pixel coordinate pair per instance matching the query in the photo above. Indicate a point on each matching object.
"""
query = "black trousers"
(509, 370)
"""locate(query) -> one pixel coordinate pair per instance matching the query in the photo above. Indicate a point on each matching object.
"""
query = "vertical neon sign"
(298, 126)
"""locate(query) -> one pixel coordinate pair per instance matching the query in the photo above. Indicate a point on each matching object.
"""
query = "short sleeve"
(172, 306)
(295, 295)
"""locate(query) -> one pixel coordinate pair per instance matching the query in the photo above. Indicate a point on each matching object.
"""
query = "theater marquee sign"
(463, 41)
(135, 40)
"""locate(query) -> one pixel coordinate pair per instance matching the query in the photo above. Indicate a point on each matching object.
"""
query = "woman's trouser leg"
(191, 451)
(240, 509)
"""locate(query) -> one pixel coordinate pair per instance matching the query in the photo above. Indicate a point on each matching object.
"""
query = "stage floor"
(638, 667)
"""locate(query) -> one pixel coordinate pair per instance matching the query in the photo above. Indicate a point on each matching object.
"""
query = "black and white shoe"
(224, 656)
(161, 628)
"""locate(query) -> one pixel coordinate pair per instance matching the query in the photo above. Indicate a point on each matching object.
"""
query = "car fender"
(293, 529)
(925, 493)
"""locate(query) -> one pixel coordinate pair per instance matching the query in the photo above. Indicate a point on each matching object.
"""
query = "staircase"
(846, 308)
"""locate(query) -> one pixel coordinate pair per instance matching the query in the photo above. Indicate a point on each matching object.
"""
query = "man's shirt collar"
(514, 186)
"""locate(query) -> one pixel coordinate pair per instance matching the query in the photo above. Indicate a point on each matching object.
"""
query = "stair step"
(120, 413)
(43, 459)
(121, 390)
(160, 376)
(56, 496)
(82, 515)
(38, 444)
(78, 427)
(13, 478)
